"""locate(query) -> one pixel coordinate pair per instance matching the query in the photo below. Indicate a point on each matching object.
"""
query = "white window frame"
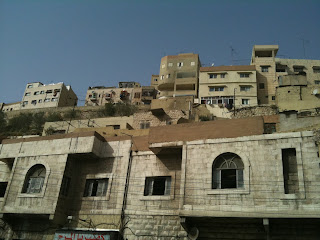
(180, 64)
(170, 64)
(193, 63)
(245, 101)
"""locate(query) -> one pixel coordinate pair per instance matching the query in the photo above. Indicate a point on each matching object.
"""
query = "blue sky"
(91, 43)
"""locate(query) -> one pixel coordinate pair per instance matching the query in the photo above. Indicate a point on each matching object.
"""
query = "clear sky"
(94, 43)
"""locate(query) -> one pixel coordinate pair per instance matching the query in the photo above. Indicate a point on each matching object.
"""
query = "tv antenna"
(233, 52)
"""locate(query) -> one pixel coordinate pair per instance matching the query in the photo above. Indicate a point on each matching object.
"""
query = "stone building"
(178, 76)
(269, 69)
(228, 86)
(207, 180)
(8, 107)
(38, 95)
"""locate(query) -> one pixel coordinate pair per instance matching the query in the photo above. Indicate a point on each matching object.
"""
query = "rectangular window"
(42, 92)
(163, 66)
(136, 95)
(144, 125)
(273, 98)
(30, 86)
(193, 63)
(36, 93)
(25, 103)
(227, 178)
(168, 75)
(96, 187)
(290, 171)
(157, 186)
(245, 101)
(222, 75)
(180, 64)
(28, 94)
(216, 89)
(49, 91)
(264, 68)
(34, 102)
(316, 81)
(3, 188)
(65, 186)
(316, 69)
(40, 101)
(54, 99)
(245, 88)
(298, 68)
(261, 85)
(244, 75)
(47, 100)
(170, 64)
(116, 127)
(162, 77)
(213, 75)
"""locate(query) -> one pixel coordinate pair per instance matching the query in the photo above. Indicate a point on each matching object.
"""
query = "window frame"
(264, 68)
(150, 190)
(244, 75)
(226, 191)
(109, 176)
(44, 184)
(245, 101)
(96, 187)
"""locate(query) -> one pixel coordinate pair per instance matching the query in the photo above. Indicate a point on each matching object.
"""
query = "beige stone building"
(128, 92)
(178, 76)
(228, 86)
(8, 107)
(269, 69)
(208, 180)
(294, 93)
(38, 95)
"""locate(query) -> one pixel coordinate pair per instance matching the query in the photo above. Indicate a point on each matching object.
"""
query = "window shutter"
(102, 187)
(149, 187)
(168, 186)
(216, 179)
(89, 188)
(240, 183)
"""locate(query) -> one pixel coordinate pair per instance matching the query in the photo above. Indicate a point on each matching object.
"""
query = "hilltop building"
(228, 86)
(128, 92)
(269, 69)
(178, 75)
(38, 95)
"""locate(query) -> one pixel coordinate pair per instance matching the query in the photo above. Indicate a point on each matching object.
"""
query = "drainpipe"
(125, 194)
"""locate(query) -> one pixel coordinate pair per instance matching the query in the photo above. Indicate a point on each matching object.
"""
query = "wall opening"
(290, 171)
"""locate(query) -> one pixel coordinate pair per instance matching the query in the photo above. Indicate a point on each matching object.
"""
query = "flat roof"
(228, 68)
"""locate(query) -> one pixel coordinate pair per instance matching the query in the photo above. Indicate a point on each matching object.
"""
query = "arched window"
(34, 180)
(227, 171)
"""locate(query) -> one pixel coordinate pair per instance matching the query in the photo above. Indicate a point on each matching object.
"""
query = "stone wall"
(255, 111)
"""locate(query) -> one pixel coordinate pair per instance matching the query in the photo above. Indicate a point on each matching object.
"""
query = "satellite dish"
(193, 233)
(315, 92)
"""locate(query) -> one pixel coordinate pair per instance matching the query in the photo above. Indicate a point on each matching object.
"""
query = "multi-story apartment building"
(228, 86)
(208, 180)
(269, 69)
(100, 95)
(178, 76)
(38, 95)
(10, 106)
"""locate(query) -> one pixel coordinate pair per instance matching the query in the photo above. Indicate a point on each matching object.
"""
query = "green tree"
(20, 124)
(54, 117)
(109, 110)
(125, 109)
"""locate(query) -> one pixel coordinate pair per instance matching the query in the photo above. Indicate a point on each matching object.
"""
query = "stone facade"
(228, 86)
(166, 185)
(38, 95)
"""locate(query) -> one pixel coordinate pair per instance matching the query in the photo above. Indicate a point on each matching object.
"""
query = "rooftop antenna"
(304, 41)
(233, 52)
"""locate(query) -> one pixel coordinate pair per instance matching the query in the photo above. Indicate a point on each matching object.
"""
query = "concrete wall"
(291, 121)
(297, 98)
(68, 127)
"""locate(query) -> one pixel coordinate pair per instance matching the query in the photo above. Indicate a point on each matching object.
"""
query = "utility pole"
(234, 102)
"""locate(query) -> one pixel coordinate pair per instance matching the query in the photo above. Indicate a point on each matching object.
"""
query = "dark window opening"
(290, 171)
(3, 188)
(96, 187)
(34, 180)
(157, 186)
(261, 85)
